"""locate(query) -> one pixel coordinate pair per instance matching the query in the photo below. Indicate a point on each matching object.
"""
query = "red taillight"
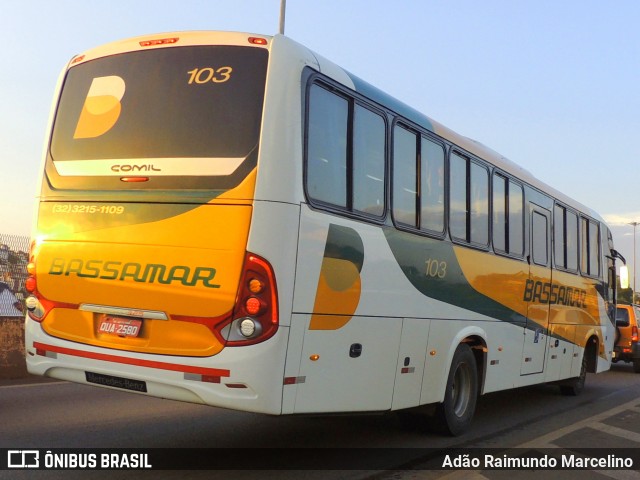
(255, 315)
(38, 307)
(134, 179)
(634, 334)
(30, 284)
(253, 306)
(258, 41)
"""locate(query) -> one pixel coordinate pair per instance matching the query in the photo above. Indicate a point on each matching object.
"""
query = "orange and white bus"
(233, 220)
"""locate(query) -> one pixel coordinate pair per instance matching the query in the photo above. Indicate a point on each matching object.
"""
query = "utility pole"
(283, 8)
(633, 292)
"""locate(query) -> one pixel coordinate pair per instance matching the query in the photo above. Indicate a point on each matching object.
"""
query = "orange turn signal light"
(159, 41)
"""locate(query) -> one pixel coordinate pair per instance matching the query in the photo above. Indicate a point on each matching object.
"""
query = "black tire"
(575, 385)
(454, 415)
(636, 365)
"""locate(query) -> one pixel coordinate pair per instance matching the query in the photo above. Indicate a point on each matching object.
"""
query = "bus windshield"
(182, 111)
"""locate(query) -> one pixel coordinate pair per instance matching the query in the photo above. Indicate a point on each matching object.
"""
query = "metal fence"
(14, 257)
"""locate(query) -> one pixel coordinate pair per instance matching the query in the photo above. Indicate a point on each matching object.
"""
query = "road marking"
(618, 432)
(546, 441)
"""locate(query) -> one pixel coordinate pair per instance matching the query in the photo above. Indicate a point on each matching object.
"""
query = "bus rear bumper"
(248, 378)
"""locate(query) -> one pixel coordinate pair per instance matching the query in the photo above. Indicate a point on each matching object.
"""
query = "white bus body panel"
(335, 382)
(257, 367)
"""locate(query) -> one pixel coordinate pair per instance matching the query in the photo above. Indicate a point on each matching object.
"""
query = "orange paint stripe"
(218, 372)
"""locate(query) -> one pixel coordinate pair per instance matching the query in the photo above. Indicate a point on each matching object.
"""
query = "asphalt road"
(65, 415)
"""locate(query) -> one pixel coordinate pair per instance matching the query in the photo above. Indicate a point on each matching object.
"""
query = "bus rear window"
(171, 112)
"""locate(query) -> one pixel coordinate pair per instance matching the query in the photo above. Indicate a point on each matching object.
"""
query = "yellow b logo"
(101, 108)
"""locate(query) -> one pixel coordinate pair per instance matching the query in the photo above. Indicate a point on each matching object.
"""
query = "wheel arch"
(476, 338)
(591, 351)
(479, 349)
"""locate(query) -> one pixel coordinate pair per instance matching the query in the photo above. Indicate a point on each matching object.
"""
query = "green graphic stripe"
(415, 255)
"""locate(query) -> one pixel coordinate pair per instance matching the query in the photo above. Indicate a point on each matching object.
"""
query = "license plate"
(120, 326)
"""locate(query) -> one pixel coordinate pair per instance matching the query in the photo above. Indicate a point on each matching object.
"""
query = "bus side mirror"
(624, 277)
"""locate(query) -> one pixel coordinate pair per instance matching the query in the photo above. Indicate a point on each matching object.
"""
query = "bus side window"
(468, 200)
(368, 161)
(458, 197)
(572, 241)
(432, 187)
(590, 251)
(516, 219)
(405, 189)
(327, 147)
(508, 219)
(479, 203)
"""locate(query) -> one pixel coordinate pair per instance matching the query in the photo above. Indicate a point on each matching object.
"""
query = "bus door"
(537, 290)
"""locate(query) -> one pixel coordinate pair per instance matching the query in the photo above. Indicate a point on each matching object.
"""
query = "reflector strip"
(174, 367)
(294, 380)
(44, 353)
(202, 378)
(408, 370)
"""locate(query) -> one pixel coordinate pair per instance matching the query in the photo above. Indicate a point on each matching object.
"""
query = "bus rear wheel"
(454, 415)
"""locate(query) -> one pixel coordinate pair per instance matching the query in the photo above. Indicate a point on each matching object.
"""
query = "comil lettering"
(137, 272)
(135, 168)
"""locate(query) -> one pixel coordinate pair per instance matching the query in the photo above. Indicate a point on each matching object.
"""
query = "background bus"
(231, 219)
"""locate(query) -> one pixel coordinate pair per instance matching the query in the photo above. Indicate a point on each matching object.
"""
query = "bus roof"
(172, 39)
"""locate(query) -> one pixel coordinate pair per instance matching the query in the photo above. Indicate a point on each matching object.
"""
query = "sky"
(551, 85)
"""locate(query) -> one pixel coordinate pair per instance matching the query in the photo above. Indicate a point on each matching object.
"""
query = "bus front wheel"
(453, 416)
